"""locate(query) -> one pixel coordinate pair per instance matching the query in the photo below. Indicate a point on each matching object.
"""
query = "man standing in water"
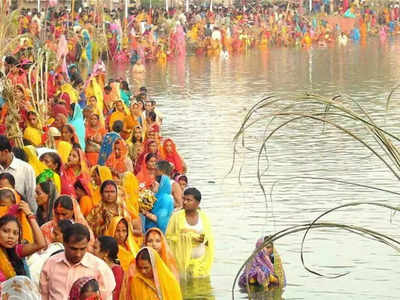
(194, 258)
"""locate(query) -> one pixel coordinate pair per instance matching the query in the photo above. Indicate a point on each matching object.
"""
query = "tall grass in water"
(275, 113)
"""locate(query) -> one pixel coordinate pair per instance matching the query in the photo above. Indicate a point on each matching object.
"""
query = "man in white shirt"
(23, 173)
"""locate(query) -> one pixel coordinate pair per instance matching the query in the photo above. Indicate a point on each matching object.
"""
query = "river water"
(204, 101)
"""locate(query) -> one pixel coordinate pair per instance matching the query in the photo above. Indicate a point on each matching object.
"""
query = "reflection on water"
(204, 101)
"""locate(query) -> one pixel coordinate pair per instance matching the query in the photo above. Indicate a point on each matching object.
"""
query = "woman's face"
(153, 147)
(269, 248)
(140, 106)
(151, 163)
(32, 119)
(62, 213)
(73, 158)
(154, 241)
(119, 106)
(66, 134)
(145, 268)
(96, 177)
(41, 197)
(58, 121)
(96, 249)
(118, 148)
(9, 235)
(109, 194)
(94, 120)
(151, 135)
(49, 162)
(93, 101)
(168, 147)
(5, 183)
(121, 233)
(57, 235)
(19, 93)
(182, 184)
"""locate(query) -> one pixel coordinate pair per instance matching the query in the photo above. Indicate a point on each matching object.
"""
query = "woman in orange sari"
(170, 154)
(118, 161)
(69, 135)
(120, 230)
(65, 208)
(146, 175)
(155, 239)
(84, 194)
(95, 132)
(76, 166)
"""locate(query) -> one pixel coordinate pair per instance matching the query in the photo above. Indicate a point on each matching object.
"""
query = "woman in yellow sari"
(33, 131)
(149, 278)
(122, 232)
(99, 174)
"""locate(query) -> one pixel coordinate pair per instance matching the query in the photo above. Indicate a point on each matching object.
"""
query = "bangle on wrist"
(31, 217)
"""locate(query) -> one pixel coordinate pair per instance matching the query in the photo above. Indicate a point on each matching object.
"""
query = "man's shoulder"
(18, 163)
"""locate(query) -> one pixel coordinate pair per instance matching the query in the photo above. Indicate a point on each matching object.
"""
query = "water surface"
(204, 101)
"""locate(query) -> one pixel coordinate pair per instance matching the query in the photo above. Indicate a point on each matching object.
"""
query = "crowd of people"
(94, 200)
(156, 35)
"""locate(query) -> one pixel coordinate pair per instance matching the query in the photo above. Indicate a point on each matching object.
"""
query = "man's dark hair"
(194, 192)
(5, 143)
(77, 232)
(118, 126)
(165, 167)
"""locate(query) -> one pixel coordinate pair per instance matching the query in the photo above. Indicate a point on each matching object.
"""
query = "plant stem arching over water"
(331, 112)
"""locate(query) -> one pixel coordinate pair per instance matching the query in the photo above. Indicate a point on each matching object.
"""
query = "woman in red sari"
(170, 154)
(150, 146)
(75, 167)
(146, 176)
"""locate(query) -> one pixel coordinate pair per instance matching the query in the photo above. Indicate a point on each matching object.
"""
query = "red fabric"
(119, 276)
(173, 157)
(141, 157)
(144, 176)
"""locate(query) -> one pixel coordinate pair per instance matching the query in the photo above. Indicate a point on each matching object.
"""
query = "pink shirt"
(58, 275)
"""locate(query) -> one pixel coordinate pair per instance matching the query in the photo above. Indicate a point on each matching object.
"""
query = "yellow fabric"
(127, 252)
(115, 116)
(72, 93)
(86, 205)
(5, 265)
(64, 149)
(105, 174)
(131, 187)
(180, 242)
(94, 89)
(39, 166)
(25, 226)
(34, 161)
(164, 285)
(33, 135)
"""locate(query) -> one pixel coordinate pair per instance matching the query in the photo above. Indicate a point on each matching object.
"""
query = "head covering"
(77, 121)
(118, 165)
(19, 214)
(144, 176)
(165, 252)
(107, 146)
(127, 252)
(52, 197)
(64, 149)
(19, 287)
(48, 228)
(105, 174)
(131, 186)
(164, 285)
(75, 292)
(262, 270)
(173, 157)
